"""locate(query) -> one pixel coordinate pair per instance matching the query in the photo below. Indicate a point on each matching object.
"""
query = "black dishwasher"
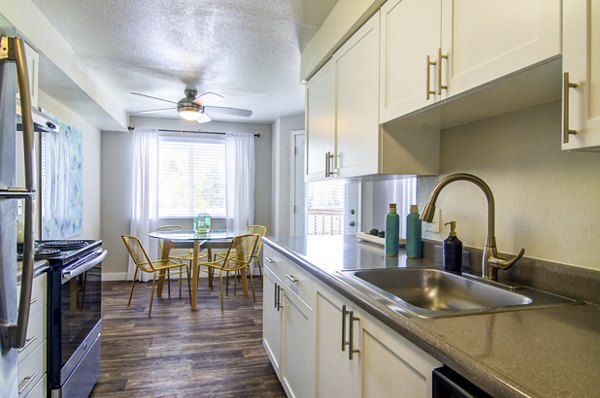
(449, 384)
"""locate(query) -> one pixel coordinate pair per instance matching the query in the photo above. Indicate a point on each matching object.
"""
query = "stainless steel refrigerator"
(14, 311)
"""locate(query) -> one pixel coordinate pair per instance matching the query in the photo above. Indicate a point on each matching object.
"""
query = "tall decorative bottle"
(414, 246)
(392, 230)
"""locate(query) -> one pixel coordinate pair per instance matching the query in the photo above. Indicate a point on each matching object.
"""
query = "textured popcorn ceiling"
(247, 51)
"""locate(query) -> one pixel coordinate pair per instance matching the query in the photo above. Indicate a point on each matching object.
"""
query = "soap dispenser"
(452, 250)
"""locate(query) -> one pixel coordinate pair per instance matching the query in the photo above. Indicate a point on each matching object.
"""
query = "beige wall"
(547, 200)
(116, 183)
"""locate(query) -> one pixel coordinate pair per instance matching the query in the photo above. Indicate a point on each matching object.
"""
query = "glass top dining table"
(196, 241)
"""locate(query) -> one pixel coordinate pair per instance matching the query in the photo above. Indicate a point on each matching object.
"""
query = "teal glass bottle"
(414, 245)
(392, 230)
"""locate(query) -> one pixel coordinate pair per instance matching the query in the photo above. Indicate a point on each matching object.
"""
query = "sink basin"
(428, 292)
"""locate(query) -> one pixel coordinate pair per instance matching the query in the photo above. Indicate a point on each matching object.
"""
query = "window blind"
(191, 177)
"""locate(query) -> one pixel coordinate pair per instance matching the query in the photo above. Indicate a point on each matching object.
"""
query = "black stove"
(60, 252)
(74, 316)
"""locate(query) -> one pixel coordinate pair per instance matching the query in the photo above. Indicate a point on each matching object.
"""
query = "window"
(325, 203)
(191, 177)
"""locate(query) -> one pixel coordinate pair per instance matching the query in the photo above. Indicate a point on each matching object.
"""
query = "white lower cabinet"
(31, 370)
(323, 345)
(382, 363)
(288, 326)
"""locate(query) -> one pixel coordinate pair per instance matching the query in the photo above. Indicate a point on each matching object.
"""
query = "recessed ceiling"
(247, 51)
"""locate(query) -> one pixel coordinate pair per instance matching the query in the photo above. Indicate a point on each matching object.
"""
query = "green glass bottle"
(414, 246)
(392, 230)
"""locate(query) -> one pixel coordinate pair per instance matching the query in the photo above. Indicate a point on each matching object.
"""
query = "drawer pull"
(26, 382)
(351, 349)
(344, 342)
(566, 86)
(269, 260)
(27, 343)
(291, 278)
(32, 302)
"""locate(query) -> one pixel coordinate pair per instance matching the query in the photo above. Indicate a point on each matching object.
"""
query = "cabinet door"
(357, 102)
(271, 319)
(298, 347)
(320, 121)
(392, 366)
(410, 31)
(486, 40)
(337, 375)
(581, 59)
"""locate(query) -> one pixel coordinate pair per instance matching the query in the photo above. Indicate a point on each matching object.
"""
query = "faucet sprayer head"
(428, 212)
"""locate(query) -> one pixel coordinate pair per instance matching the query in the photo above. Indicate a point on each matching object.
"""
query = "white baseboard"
(114, 276)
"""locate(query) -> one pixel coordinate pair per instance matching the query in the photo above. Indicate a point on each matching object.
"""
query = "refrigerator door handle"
(12, 49)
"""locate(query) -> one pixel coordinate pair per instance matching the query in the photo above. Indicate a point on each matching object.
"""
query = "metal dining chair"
(144, 264)
(238, 256)
(261, 231)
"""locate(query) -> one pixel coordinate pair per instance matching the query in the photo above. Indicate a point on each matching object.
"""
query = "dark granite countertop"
(551, 352)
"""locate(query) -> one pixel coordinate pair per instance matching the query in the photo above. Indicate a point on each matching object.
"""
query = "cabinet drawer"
(31, 370)
(295, 279)
(38, 293)
(36, 333)
(40, 389)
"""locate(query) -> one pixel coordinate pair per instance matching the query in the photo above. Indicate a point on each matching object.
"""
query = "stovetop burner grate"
(63, 244)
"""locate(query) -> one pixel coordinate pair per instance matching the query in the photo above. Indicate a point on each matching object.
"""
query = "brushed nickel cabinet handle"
(26, 382)
(344, 342)
(326, 164)
(566, 86)
(291, 278)
(28, 342)
(351, 349)
(269, 259)
(440, 58)
(275, 296)
(428, 66)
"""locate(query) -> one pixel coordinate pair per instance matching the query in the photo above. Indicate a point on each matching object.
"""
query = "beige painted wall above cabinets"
(546, 199)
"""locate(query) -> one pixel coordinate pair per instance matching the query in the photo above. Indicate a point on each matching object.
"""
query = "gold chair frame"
(144, 264)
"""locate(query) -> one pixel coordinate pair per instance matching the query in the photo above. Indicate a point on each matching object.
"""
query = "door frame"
(293, 183)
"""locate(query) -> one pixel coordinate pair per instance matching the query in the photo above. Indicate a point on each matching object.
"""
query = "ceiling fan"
(193, 106)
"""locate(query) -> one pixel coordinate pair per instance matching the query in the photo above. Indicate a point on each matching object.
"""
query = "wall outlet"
(435, 225)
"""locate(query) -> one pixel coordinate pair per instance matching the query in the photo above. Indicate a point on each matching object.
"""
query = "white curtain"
(239, 176)
(144, 198)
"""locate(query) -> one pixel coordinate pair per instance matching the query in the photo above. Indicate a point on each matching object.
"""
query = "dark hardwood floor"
(179, 353)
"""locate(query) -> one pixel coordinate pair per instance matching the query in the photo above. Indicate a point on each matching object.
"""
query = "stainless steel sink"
(429, 293)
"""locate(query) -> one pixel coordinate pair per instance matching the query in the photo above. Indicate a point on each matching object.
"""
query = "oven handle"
(69, 274)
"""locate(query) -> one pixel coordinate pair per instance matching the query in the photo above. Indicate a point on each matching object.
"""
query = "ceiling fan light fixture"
(190, 115)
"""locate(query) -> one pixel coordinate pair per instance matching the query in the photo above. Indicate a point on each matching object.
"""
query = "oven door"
(80, 311)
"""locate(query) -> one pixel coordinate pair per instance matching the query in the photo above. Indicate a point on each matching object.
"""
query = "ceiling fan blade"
(149, 96)
(154, 111)
(229, 111)
(203, 118)
(208, 98)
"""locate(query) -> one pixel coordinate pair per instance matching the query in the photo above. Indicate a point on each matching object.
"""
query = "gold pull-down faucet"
(491, 262)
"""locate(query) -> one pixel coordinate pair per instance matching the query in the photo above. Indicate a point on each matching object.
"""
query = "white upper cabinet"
(581, 77)
(320, 122)
(410, 34)
(433, 49)
(357, 102)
